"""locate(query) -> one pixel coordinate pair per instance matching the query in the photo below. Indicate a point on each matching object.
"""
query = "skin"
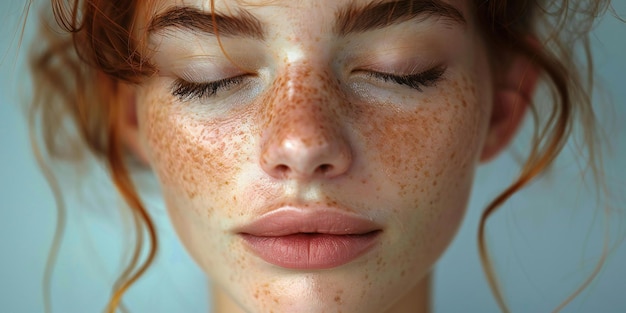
(311, 128)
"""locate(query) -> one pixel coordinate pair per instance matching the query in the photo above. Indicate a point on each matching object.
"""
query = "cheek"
(196, 162)
(189, 153)
(428, 156)
(431, 146)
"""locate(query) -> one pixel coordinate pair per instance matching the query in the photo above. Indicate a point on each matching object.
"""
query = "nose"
(304, 135)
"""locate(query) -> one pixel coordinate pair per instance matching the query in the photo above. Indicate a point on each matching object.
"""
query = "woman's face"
(316, 156)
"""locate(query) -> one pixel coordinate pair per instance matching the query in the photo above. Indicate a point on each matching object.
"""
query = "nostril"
(324, 168)
(282, 168)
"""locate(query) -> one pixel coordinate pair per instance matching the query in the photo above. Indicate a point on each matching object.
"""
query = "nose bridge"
(303, 126)
(304, 104)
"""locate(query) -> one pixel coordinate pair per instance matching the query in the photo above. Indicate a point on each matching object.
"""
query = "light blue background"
(546, 240)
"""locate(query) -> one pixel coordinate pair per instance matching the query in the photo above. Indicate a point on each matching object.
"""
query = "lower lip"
(311, 251)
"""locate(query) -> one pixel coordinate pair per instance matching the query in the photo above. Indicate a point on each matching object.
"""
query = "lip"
(309, 238)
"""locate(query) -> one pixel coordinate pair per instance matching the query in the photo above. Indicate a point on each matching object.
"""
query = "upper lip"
(292, 220)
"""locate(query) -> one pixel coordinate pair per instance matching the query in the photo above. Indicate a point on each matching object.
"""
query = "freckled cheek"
(195, 160)
(429, 156)
(424, 146)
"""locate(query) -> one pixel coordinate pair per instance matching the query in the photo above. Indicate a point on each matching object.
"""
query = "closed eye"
(186, 90)
(427, 78)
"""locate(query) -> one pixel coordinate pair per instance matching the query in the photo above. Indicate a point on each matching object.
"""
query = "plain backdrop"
(546, 240)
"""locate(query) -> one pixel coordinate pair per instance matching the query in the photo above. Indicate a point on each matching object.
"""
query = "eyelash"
(185, 90)
(428, 78)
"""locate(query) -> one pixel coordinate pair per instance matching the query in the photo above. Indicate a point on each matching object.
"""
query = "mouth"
(310, 239)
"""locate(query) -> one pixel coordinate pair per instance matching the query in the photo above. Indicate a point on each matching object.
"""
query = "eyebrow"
(244, 24)
(376, 15)
(351, 19)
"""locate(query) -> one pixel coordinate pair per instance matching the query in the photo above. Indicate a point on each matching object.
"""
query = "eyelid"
(204, 74)
(438, 69)
(416, 81)
(405, 67)
(198, 68)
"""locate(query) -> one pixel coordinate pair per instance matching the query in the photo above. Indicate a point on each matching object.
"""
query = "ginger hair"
(77, 70)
